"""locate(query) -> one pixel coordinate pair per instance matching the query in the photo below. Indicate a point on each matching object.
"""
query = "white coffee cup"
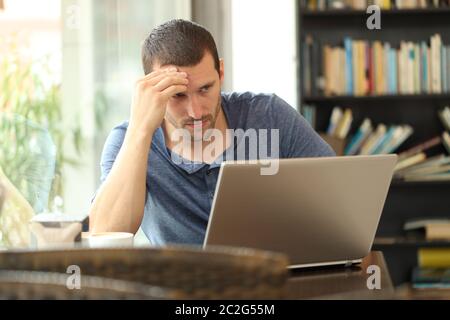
(110, 239)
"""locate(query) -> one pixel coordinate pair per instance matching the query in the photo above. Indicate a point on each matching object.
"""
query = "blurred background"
(84, 56)
(67, 69)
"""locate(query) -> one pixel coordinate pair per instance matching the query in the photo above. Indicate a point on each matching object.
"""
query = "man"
(150, 178)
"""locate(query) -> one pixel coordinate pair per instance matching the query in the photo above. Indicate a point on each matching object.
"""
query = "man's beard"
(197, 132)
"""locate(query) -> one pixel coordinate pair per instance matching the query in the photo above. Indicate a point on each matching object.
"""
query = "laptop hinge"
(349, 263)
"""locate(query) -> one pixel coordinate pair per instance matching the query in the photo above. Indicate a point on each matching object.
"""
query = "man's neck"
(194, 150)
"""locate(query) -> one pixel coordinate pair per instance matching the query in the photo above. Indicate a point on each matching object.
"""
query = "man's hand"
(151, 96)
(120, 202)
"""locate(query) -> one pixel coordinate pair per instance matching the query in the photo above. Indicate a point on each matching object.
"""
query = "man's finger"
(169, 81)
(153, 74)
(173, 90)
(159, 72)
(154, 81)
(157, 78)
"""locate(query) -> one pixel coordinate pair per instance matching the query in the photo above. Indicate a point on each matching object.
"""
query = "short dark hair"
(178, 42)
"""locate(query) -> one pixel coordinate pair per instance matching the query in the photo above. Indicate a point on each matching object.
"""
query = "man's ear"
(222, 71)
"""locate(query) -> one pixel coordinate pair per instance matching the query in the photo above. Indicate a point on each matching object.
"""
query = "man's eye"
(204, 89)
(179, 95)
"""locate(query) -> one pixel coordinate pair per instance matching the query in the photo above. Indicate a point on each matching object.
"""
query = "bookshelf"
(386, 13)
(439, 96)
(405, 200)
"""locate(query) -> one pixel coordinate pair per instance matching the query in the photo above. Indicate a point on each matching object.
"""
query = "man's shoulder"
(267, 104)
(260, 106)
(116, 136)
(249, 99)
(123, 126)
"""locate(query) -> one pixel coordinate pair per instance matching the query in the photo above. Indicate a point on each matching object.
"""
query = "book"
(444, 116)
(356, 68)
(448, 65)
(430, 228)
(359, 4)
(417, 74)
(421, 147)
(412, 160)
(436, 63)
(392, 69)
(362, 67)
(446, 141)
(344, 124)
(359, 137)
(444, 68)
(379, 67)
(315, 67)
(321, 4)
(336, 115)
(372, 141)
(410, 53)
(389, 143)
(382, 140)
(431, 162)
(380, 144)
(371, 70)
(424, 65)
(438, 231)
(433, 257)
(429, 70)
(420, 223)
(309, 113)
(428, 170)
(306, 61)
(405, 133)
(326, 61)
(429, 177)
(430, 278)
(348, 65)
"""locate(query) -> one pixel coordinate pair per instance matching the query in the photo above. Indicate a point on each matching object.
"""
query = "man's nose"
(194, 108)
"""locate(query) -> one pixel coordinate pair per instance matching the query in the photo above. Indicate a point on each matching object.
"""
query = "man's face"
(196, 110)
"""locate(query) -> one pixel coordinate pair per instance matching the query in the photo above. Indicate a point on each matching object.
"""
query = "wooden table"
(341, 282)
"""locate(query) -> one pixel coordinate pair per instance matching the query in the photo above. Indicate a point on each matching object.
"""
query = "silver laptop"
(319, 211)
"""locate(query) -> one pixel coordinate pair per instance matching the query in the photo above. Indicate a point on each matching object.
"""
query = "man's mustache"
(191, 121)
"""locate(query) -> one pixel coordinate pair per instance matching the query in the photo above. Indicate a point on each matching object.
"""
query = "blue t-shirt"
(179, 195)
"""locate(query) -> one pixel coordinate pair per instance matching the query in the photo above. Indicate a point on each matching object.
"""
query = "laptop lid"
(316, 210)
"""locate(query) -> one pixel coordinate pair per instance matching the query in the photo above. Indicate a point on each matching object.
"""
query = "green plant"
(30, 119)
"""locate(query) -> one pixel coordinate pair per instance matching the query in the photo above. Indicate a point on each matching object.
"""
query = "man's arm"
(119, 203)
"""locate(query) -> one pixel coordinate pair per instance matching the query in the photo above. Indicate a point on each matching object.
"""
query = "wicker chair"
(37, 285)
(215, 273)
